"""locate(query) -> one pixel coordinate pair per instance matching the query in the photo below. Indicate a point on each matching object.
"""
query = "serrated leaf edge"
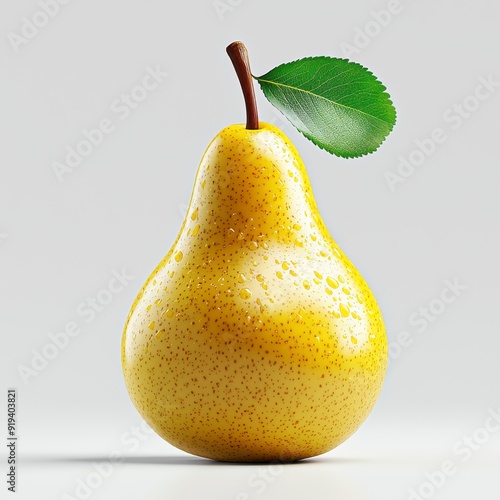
(340, 155)
(384, 88)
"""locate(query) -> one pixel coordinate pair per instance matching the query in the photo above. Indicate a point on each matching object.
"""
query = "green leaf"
(337, 104)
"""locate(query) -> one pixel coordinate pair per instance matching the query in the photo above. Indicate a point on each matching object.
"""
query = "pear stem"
(238, 54)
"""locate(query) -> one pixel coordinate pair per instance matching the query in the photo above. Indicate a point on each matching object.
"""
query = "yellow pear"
(255, 338)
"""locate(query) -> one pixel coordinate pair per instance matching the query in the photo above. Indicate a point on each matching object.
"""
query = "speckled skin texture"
(255, 338)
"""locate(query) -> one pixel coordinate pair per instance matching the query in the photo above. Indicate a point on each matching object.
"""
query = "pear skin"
(255, 338)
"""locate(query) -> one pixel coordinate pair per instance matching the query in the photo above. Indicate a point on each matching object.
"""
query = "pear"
(255, 338)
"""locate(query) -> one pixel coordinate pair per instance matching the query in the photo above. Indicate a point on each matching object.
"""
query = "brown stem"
(239, 57)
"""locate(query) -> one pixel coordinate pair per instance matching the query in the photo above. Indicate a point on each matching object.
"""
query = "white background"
(122, 206)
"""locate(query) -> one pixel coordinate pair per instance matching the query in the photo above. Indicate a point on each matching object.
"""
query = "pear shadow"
(188, 460)
(136, 460)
